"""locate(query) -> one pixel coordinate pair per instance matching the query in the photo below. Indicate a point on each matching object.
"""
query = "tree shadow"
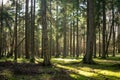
(31, 71)
(78, 69)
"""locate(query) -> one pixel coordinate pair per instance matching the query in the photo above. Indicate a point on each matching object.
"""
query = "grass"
(65, 69)
(105, 69)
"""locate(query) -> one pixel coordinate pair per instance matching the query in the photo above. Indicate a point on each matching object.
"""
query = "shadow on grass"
(102, 70)
(28, 71)
(65, 69)
(99, 64)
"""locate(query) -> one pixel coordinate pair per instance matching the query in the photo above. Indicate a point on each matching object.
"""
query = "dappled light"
(65, 68)
(101, 71)
(59, 39)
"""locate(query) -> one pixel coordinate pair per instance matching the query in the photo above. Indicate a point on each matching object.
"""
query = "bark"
(15, 32)
(64, 32)
(45, 49)
(90, 33)
(99, 42)
(73, 38)
(1, 30)
(32, 30)
(113, 16)
(27, 46)
(57, 40)
(71, 31)
(104, 31)
(118, 39)
(94, 44)
(77, 42)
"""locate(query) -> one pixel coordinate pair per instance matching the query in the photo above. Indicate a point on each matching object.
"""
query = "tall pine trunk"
(1, 29)
(90, 33)
(77, 37)
(104, 31)
(113, 27)
(57, 25)
(15, 32)
(45, 49)
(32, 30)
(64, 32)
(27, 44)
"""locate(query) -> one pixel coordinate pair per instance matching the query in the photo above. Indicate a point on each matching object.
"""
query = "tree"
(57, 31)
(27, 42)
(73, 32)
(45, 49)
(90, 32)
(104, 31)
(118, 39)
(15, 32)
(64, 31)
(32, 30)
(1, 29)
(77, 42)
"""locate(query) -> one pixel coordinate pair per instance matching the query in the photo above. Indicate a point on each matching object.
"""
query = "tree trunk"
(73, 38)
(77, 42)
(64, 33)
(90, 32)
(45, 49)
(57, 40)
(118, 39)
(15, 32)
(113, 16)
(104, 31)
(71, 31)
(27, 42)
(94, 44)
(32, 30)
(99, 41)
(1, 29)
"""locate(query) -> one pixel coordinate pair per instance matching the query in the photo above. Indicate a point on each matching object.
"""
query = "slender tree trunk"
(94, 48)
(99, 42)
(1, 29)
(77, 42)
(15, 32)
(90, 32)
(32, 30)
(73, 38)
(113, 41)
(71, 31)
(45, 49)
(118, 39)
(113, 16)
(50, 24)
(64, 32)
(104, 31)
(57, 40)
(27, 56)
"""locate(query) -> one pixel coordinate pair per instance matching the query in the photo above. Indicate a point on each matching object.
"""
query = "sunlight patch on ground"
(106, 61)
(85, 73)
(77, 77)
(98, 74)
(107, 72)
(61, 60)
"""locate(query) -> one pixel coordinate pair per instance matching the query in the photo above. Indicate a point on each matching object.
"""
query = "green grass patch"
(62, 69)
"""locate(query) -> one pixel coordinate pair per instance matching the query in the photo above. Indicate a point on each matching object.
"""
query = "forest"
(59, 39)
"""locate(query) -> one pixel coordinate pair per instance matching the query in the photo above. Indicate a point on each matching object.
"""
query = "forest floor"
(61, 69)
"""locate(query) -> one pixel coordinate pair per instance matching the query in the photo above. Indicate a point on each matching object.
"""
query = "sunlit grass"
(81, 72)
(104, 70)
(64, 61)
